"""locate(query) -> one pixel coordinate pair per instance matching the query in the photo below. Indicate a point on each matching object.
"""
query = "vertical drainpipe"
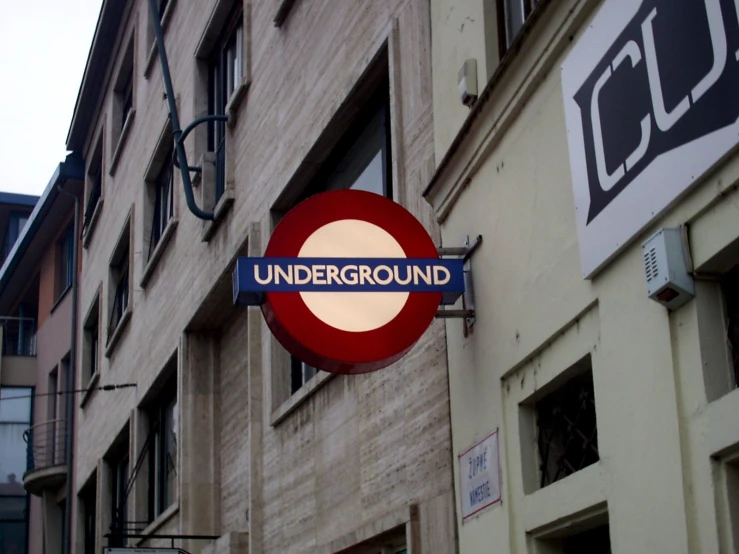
(71, 371)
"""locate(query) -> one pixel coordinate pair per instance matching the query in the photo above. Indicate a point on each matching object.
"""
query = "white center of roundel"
(353, 311)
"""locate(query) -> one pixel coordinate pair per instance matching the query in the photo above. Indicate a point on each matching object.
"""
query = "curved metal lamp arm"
(188, 130)
(179, 135)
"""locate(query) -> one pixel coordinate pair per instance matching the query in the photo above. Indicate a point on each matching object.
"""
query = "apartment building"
(36, 307)
(594, 398)
(221, 441)
(17, 380)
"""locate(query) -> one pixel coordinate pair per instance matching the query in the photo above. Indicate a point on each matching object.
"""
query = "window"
(225, 76)
(511, 16)
(730, 290)
(93, 190)
(88, 501)
(163, 188)
(19, 332)
(119, 286)
(120, 296)
(65, 267)
(362, 161)
(164, 13)
(567, 435)
(52, 452)
(91, 350)
(15, 418)
(119, 498)
(163, 424)
(592, 541)
(16, 223)
(124, 90)
(123, 101)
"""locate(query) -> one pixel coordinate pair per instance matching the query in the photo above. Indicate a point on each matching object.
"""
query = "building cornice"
(93, 79)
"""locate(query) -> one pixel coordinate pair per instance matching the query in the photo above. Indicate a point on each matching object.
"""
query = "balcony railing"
(47, 444)
(19, 336)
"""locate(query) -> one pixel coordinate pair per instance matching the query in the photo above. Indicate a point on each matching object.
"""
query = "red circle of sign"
(325, 347)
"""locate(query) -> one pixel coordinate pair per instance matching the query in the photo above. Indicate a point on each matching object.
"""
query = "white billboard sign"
(651, 105)
(480, 476)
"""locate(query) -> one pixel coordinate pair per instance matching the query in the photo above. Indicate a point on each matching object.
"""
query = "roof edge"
(93, 78)
(71, 168)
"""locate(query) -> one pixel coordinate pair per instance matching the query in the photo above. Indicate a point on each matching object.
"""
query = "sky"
(43, 51)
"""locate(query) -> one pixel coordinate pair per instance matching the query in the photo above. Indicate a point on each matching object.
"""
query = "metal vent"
(650, 264)
(666, 270)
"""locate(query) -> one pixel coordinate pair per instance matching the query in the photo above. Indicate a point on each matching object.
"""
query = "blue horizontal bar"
(255, 276)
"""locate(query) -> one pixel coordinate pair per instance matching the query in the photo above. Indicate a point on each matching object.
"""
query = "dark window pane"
(12, 537)
(594, 541)
(514, 18)
(730, 288)
(13, 508)
(567, 432)
(95, 193)
(169, 471)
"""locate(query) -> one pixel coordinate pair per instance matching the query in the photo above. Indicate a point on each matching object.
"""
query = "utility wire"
(63, 392)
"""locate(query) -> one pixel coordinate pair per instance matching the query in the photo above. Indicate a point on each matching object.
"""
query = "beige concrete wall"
(358, 457)
(464, 30)
(665, 440)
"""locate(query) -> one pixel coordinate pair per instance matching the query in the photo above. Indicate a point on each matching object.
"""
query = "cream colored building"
(223, 436)
(597, 124)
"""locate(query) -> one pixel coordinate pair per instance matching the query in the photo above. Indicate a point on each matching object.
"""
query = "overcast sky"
(43, 50)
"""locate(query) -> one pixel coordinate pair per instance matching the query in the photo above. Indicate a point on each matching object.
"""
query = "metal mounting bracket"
(467, 313)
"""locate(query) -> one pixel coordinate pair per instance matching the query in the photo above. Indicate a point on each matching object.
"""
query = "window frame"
(163, 212)
(25, 496)
(88, 502)
(120, 289)
(161, 492)
(579, 375)
(90, 366)
(119, 465)
(506, 39)
(223, 84)
(159, 220)
(216, 180)
(94, 184)
(14, 229)
(730, 299)
(121, 296)
(65, 265)
(356, 141)
(165, 16)
(124, 99)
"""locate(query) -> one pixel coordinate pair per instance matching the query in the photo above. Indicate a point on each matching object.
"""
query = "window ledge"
(125, 131)
(115, 336)
(90, 388)
(219, 214)
(87, 231)
(158, 251)
(237, 96)
(166, 16)
(305, 392)
(160, 520)
(61, 297)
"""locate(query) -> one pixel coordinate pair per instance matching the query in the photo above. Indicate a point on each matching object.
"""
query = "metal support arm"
(467, 313)
(179, 136)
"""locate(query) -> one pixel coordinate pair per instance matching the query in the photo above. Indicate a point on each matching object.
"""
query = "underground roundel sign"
(349, 281)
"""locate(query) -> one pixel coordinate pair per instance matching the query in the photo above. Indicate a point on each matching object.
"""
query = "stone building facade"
(224, 435)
